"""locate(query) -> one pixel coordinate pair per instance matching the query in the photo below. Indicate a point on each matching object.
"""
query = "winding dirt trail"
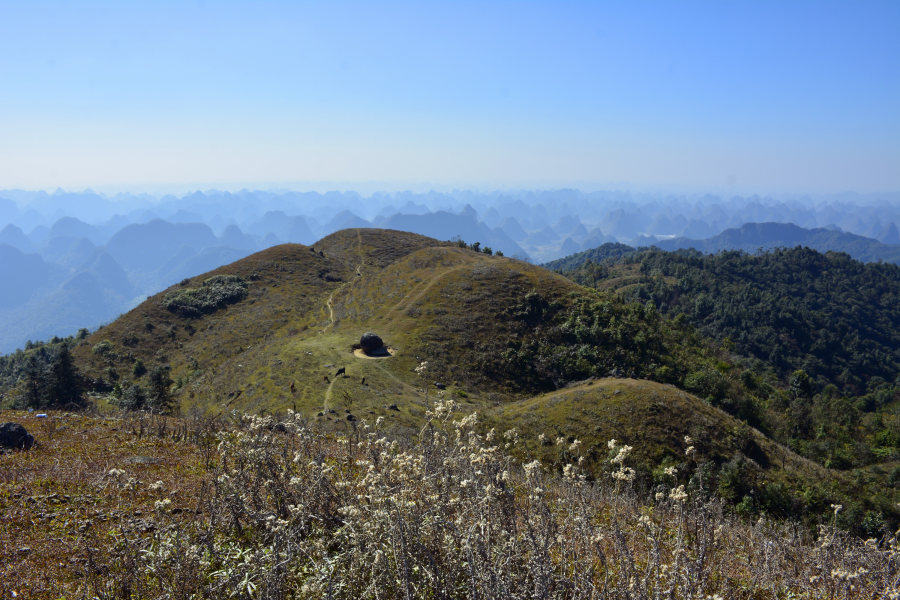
(328, 396)
(358, 272)
(330, 309)
(328, 392)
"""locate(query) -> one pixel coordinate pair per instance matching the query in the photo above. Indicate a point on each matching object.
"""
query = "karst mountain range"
(71, 260)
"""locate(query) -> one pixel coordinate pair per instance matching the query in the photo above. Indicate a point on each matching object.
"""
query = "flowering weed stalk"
(292, 512)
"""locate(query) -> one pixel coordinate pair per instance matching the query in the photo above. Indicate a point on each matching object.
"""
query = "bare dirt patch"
(374, 354)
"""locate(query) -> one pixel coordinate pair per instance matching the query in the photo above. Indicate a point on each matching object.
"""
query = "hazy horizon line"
(370, 188)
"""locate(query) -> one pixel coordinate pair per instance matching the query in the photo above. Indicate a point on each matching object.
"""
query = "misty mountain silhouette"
(667, 225)
(345, 220)
(541, 238)
(72, 227)
(889, 235)
(211, 257)
(234, 237)
(443, 225)
(68, 251)
(752, 236)
(108, 274)
(287, 229)
(146, 247)
(8, 210)
(566, 224)
(697, 230)
(22, 275)
(16, 238)
(513, 229)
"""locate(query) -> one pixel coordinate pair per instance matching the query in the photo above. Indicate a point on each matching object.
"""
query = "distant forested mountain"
(751, 237)
(600, 253)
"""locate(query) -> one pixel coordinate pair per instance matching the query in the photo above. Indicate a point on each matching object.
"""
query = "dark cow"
(327, 380)
(341, 371)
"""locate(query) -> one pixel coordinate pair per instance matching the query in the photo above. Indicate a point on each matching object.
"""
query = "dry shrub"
(291, 512)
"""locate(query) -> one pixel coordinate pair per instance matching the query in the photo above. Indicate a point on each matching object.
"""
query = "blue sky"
(768, 96)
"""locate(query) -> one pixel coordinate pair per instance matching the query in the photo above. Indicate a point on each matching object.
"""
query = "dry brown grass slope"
(442, 305)
(653, 418)
(289, 287)
(428, 299)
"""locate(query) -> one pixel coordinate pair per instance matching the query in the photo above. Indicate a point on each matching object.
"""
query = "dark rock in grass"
(393, 407)
(370, 342)
(440, 386)
(13, 435)
(351, 418)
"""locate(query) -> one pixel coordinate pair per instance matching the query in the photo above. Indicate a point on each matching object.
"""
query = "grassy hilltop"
(491, 329)
(517, 343)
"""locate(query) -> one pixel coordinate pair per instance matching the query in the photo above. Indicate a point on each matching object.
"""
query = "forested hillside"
(834, 317)
(816, 336)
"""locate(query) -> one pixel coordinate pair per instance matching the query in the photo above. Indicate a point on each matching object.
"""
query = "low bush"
(293, 513)
(213, 294)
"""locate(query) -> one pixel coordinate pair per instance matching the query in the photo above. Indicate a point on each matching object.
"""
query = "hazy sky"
(777, 96)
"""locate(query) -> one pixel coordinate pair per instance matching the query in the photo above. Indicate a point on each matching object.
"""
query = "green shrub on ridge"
(213, 294)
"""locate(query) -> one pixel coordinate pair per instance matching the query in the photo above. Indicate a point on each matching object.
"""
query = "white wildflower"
(624, 474)
(531, 467)
(622, 455)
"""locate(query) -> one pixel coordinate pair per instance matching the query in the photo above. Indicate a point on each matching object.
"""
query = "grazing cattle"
(363, 381)
(327, 380)
(292, 386)
(341, 371)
